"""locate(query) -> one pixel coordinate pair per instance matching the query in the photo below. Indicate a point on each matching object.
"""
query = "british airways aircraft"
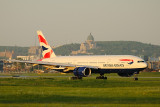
(84, 66)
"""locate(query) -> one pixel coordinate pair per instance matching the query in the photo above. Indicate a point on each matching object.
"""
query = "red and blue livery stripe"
(128, 60)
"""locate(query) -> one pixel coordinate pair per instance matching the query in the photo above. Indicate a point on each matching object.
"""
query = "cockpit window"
(140, 61)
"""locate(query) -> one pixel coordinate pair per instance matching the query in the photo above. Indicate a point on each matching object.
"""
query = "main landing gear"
(136, 76)
(75, 78)
(101, 76)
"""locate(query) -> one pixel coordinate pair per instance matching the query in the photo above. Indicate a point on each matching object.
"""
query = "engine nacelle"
(125, 74)
(82, 71)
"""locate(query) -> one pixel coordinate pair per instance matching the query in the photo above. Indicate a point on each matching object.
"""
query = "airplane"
(84, 66)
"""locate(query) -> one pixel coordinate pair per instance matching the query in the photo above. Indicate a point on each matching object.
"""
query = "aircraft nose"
(145, 65)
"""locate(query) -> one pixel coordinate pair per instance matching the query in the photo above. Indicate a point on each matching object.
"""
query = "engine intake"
(82, 71)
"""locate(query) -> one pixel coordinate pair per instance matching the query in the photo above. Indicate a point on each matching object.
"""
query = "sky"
(71, 21)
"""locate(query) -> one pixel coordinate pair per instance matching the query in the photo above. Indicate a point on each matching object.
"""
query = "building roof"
(90, 37)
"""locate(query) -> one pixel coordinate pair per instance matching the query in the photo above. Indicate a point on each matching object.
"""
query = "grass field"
(60, 91)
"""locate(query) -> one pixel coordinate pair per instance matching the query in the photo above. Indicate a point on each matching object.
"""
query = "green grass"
(60, 91)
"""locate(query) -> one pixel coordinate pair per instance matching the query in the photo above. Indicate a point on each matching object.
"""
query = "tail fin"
(47, 51)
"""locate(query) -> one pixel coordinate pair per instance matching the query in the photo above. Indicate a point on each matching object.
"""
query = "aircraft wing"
(53, 64)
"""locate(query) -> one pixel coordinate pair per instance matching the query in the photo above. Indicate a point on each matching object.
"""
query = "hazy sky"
(71, 21)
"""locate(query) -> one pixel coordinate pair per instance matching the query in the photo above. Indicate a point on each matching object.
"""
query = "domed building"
(89, 44)
(90, 38)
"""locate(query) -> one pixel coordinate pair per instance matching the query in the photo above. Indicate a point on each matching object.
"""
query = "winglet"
(47, 51)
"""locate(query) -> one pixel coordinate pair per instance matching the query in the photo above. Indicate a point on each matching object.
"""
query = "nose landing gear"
(101, 76)
(136, 76)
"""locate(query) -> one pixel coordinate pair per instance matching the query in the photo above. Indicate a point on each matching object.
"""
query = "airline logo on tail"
(47, 51)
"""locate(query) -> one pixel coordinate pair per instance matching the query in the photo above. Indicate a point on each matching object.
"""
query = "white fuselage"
(102, 61)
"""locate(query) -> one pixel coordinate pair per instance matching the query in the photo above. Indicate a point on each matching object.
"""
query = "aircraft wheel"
(75, 78)
(101, 77)
(79, 77)
(135, 79)
(105, 78)
(97, 77)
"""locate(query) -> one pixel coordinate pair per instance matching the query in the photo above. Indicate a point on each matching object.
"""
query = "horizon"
(84, 42)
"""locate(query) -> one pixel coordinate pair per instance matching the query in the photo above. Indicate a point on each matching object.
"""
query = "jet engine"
(125, 74)
(82, 71)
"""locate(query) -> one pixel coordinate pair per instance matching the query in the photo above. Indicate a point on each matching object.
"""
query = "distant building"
(1, 66)
(153, 63)
(34, 51)
(87, 45)
(7, 54)
(146, 58)
(26, 58)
